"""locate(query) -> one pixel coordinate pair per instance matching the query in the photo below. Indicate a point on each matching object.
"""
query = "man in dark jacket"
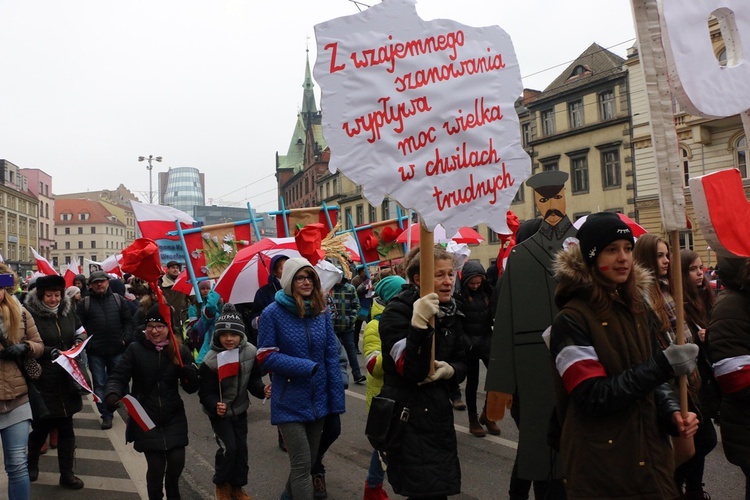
(108, 319)
(176, 299)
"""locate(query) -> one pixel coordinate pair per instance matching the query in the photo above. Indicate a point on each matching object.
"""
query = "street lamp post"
(150, 167)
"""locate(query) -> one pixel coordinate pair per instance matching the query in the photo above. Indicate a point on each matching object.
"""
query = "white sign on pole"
(423, 111)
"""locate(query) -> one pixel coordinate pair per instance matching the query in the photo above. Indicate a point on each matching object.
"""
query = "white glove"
(442, 370)
(682, 358)
(424, 309)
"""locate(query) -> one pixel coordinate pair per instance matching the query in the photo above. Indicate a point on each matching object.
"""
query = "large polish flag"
(71, 272)
(65, 359)
(137, 413)
(43, 264)
(229, 363)
(155, 221)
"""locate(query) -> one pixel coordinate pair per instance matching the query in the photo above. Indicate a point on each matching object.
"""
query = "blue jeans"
(15, 439)
(101, 367)
(349, 341)
(375, 474)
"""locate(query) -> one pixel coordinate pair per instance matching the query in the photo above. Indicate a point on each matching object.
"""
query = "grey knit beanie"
(290, 269)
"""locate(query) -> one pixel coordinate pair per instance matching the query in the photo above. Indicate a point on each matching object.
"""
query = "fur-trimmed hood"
(35, 306)
(574, 278)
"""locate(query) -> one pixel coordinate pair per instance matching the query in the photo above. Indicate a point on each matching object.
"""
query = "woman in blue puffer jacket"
(297, 345)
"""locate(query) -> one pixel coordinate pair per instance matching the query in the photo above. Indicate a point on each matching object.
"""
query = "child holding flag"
(158, 426)
(227, 373)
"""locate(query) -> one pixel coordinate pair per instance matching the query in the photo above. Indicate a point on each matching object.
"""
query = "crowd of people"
(614, 426)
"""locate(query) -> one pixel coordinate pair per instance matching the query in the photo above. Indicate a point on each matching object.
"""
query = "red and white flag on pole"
(229, 363)
(137, 413)
(111, 265)
(43, 264)
(154, 221)
(65, 359)
(71, 272)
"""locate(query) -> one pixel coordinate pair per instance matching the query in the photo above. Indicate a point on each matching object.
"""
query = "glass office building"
(182, 188)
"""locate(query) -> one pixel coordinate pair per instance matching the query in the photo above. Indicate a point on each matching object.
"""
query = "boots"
(474, 427)
(66, 449)
(376, 493)
(492, 427)
(239, 494)
(33, 462)
(224, 491)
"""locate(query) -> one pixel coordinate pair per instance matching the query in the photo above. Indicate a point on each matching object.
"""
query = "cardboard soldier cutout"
(520, 360)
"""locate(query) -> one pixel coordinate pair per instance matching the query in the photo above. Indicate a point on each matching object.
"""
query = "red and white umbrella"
(463, 235)
(251, 268)
(633, 225)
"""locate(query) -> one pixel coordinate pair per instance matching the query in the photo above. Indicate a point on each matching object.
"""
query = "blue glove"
(213, 299)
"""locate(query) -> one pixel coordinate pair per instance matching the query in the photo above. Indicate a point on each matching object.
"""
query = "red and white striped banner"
(70, 365)
(228, 363)
(137, 413)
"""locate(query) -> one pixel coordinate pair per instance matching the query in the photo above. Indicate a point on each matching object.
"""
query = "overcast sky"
(88, 86)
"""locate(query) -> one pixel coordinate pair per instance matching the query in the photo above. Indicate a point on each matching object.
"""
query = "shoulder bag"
(385, 423)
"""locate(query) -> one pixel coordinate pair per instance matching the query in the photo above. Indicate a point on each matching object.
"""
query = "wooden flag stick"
(427, 276)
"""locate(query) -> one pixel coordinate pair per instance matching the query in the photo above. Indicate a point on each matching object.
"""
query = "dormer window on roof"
(66, 216)
(84, 216)
(579, 71)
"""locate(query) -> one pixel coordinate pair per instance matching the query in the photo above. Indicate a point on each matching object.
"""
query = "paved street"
(114, 471)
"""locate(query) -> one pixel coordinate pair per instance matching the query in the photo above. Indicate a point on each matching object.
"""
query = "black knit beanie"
(230, 321)
(599, 230)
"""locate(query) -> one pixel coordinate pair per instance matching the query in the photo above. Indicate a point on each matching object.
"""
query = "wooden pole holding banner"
(427, 277)
(675, 266)
(669, 172)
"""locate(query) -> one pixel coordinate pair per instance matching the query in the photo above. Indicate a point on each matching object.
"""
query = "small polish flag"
(229, 363)
(71, 272)
(137, 413)
(111, 265)
(69, 365)
(43, 264)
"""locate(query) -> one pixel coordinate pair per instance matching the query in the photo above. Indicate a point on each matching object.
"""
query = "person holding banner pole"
(423, 357)
(60, 330)
(158, 425)
(227, 374)
(615, 406)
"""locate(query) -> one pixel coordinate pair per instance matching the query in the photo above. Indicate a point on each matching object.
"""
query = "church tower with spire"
(307, 156)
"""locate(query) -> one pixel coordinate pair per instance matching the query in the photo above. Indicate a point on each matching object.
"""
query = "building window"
(80, 244)
(685, 158)
(607, 105)
(548, 121)
(93, 230)
(550, 165)
(386, 209)
(67, 245)
(67, 230)
(610, 168)
(492, 236)
(348, 217)
(686, 239)
(526, 133)
(360, 214)
(519, 197)
(575, 113)
(579, 173)
(93, 244)
(373, 214)
(740, 155)
(80, 230)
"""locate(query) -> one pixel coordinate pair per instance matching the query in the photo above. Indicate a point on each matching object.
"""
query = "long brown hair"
(644, 254)
(317, 300)
(698, 300)
(11, 309)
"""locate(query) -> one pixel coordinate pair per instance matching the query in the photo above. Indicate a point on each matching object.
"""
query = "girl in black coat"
(60, 329)
(152, 364)
(424, 462)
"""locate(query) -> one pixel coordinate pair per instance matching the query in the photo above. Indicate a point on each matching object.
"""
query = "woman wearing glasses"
(152, 363)
(298, 346)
